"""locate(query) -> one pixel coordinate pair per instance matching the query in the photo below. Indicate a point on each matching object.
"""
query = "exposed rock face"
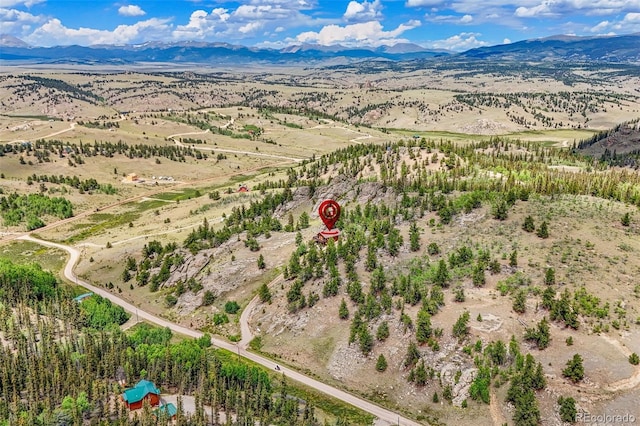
(460, 390)
(192, 266)
(216, 272)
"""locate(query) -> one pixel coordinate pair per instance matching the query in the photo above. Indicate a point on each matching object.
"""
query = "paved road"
(385, 417)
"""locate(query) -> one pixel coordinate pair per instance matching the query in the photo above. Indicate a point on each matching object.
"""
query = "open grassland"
(27, 252)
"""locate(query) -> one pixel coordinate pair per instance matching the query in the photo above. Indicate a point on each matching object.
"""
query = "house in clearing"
(143, 390)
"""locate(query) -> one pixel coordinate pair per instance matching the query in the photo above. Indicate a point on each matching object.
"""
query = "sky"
(435, 24)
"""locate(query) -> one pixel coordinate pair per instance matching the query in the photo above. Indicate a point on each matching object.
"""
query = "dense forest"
(60, 360)
(30, 209)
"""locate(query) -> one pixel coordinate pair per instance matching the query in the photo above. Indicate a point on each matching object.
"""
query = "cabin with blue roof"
(143, 390)
(166, 411)
(82, 297)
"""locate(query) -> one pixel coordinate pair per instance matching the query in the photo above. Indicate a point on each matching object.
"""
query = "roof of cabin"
(169, 410)
(139, 391)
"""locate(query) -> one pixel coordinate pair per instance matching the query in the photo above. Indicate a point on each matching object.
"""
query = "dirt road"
(385, 417)
(230, 151)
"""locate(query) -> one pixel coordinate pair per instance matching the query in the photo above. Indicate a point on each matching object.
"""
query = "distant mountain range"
(612, 49)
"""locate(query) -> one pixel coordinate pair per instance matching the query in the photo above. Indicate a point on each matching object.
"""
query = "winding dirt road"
(385, 417)
(229, 151)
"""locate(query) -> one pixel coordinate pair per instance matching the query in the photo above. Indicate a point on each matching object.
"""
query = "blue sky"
(443, 24)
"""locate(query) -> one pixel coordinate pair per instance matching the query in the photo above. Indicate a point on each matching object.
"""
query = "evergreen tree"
(513, 259)
(414, 237)
(383, 331)
(528, 224)
(526, 411)
(461, 327)
(500, 210)
(574, 370)
(381, 363)
(543, 230)
(478, 276)
(441, 277)
(550, 276)
(372, 257)
(343, 311)
(412, 356)
(519, 301)
(264, 293)
(626, 219)
(420, 374)
(567, 409)
(423, 326)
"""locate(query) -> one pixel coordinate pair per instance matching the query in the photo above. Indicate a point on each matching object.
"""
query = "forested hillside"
(60, 361)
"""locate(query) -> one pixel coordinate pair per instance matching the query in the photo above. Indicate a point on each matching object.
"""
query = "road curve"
(385, 417)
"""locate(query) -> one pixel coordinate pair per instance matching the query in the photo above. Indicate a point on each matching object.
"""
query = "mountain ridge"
(612, 49)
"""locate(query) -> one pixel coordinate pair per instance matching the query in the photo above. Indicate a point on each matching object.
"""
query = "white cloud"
(131, 10)
(26, 3)
(600, 28)
(262, 12)
(532, 12)
(630, 23)
(365, 11)
(254, 18)
(466, 19)
(54, 33)
(365, 33)
(250, 27)
(460, 42)
(632, 17)
(506, 41)
(423, 3)
(201, 24)
(18, 23)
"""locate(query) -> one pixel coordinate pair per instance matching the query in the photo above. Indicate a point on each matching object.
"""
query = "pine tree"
(442, 274)
(372, 257)
(261, 262)
(567, 409)
(383, 331)
(423, 326)
(519, 302)
(528, 224)
(381, 364)
(414, 237)
(626, 219)
(412, 356)
(460, 328)
(264, 293)
(343, 311)
(420, 374)
(543, 231)
(500, 210)
(478, 276)
(574, 370)
(550, 276)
